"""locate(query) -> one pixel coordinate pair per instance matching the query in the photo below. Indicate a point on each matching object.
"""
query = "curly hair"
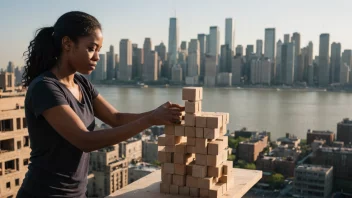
(45, 49)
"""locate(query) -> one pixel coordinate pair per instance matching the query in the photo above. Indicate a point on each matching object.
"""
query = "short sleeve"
(45, 95)
(93, 91)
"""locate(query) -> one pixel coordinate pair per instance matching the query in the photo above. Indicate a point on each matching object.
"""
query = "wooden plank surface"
(149, 186)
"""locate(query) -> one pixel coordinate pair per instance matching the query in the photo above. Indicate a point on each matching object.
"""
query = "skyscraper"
(110, 63)
(287, 63)
(229, 33)
(202, 38)
(193, 58)
(214, 41)
(335, 62)
(11, 67)
(347, 57)
(226, 59)
(101, 68)
(249, 50)
(278, 61)
(310, 53)
(173, 41)
(296, 38)
(137, 62)
(286, 38)
(269, 49)
(183, 46)
(237, 65)
(161, 49)
(125, 67)
(324, 63)
(259, 47)
(150, 70)
(239, 50)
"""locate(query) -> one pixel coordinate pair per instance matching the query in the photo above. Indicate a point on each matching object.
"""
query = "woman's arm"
(66, 122)
(104, 111)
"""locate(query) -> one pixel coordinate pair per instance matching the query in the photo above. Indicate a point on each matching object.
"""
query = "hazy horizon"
(137, 19)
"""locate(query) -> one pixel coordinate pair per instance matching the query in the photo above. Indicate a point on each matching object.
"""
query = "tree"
(233, 143)
(231, 157)
(276, 180)
(156, 163)
(250, 166)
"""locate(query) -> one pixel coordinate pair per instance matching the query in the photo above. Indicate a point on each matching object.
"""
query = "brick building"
(328, 136)
(280, 165)
(249, 150)
(344, 131)
(131, 150)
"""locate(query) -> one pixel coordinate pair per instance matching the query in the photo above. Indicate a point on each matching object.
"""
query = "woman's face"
(85, 54)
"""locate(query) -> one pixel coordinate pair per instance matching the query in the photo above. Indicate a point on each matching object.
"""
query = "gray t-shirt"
(57, 168)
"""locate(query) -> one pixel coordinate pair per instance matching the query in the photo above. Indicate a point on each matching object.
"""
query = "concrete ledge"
(148, 186)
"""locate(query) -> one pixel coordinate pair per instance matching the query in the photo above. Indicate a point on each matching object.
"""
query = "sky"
(137, 19)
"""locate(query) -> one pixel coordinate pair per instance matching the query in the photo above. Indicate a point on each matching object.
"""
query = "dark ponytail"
(44, 50)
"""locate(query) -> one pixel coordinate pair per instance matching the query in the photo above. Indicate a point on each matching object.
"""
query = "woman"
(61, 106)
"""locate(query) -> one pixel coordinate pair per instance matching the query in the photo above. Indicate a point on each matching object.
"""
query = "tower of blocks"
(193, 154)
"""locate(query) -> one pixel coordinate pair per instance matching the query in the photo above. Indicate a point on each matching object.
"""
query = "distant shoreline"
(277, 88)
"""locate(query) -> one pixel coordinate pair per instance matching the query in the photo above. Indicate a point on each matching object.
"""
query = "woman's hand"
(167, 113)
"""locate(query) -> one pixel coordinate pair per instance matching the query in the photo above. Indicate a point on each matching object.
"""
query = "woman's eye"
(91, 49)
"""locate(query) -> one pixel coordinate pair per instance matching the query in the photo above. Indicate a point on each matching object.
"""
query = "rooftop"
(315, 168)
(336, 149)
(149, 186)
(346, 121)
(321, 132)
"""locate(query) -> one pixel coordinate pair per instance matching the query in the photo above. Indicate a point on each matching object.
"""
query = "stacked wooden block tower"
(193, 154)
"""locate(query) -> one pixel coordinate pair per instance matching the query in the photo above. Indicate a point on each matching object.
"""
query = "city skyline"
(153, 21)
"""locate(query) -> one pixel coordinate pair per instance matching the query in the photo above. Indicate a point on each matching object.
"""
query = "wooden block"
(216, 191)
(214, 160)
(210, 133)
(224, 139)
(199, 132)
(215, 171)
(174, 189)
(191, 141)
(191, 149)
(200, 106)
(189, 168)
(206, 183)
(179, 130)
(201, 159)
(215, 147)
(164, 188)
(223, 130)
(168, 168)
(181, 147)
(190, 131)
(180, 169)
(190, 119)
(191, 182)
(170, 149)
(191, 107)
(200, 89)
(181, 158)
(179, 180)
(164, 157)
(201, 121)
(201, 146)
(166, 178)
(184, 190)
(172, 140)
(162, 140)
(203, 192)
(228, 167)
(199, 171)
(191, 93)
(194, 192)
(214, 121)
(169, 129)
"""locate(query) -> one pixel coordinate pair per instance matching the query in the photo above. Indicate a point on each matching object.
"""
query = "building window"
(19, 145)
(8, 185)
(24, 123)
(6, 125)
(18, 121)
(25, 162)
(17, 182)
(26, 141)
